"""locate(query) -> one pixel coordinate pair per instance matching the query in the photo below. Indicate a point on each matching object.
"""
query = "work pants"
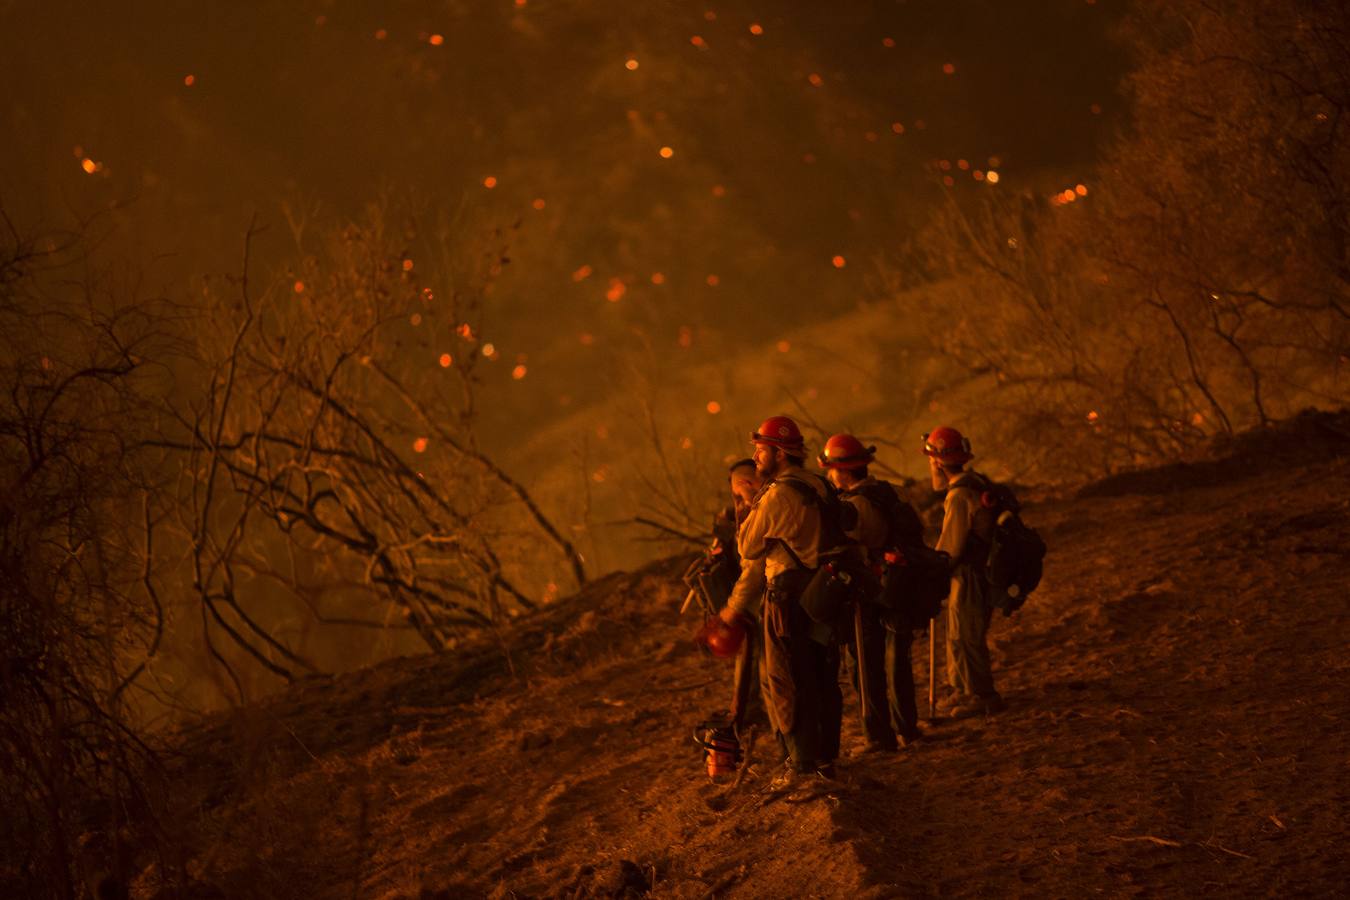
(805, 703)
(749, 690)
(900, 682)
(969, 670)
(890, 707)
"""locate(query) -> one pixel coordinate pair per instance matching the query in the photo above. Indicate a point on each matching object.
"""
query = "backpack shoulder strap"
(809, 494)
(880, 494)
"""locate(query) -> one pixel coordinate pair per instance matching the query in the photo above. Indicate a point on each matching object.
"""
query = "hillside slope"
(1176, 725)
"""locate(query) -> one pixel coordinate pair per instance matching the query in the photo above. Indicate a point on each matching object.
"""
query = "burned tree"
(333, 461)
(1197, 286)
(80, 617)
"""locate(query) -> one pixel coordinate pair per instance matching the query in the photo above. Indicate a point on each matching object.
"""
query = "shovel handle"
(932, 669)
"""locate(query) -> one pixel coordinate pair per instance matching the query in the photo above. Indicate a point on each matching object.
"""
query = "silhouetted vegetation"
(1199, 284)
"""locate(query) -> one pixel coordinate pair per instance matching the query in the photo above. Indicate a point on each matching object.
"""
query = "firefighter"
(882, 670)
(970, 605)
(783, 528)
(748, 679)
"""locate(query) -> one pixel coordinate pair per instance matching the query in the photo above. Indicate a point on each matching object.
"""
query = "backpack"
(832, 584)
(1008, 552)
(915, 578)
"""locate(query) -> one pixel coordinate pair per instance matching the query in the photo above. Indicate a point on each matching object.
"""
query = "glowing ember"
(714, 407)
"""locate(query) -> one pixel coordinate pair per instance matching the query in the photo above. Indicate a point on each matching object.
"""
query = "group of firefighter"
(778, 532)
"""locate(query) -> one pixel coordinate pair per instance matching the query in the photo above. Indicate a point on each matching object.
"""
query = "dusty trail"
(1176, 725)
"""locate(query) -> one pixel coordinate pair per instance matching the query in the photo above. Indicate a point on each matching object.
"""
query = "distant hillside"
(1176, 725)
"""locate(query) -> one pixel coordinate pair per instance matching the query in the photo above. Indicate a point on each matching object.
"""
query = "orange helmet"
(780, 432)
(844, 451)
(948, 445)
(723, 639)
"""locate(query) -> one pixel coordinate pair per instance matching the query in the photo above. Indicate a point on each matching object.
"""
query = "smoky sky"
(736, 167)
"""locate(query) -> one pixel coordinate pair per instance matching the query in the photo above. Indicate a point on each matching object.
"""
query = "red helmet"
(723, 639)
(948, 445)
(844, 451)
(780, 432)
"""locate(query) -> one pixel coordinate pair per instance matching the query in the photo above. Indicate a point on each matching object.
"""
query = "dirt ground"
(1178, 696)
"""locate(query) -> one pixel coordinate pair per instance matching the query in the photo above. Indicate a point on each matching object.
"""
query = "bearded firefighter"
(783, 527)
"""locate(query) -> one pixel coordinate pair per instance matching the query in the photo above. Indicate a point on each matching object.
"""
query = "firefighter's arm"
(869, 526)
(748, 594)
(752, 540)
(956, 521)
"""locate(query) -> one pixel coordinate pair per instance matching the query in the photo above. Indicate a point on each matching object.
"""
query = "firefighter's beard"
(768, 469)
